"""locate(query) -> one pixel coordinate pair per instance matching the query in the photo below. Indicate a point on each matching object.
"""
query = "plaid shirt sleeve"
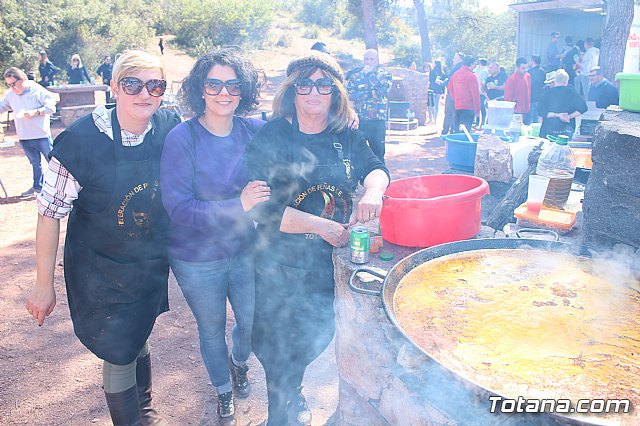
(59, 191)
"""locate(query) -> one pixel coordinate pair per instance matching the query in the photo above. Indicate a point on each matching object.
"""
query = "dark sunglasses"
(323, 85)
(133, 86)
(11, 85)
(213, 86)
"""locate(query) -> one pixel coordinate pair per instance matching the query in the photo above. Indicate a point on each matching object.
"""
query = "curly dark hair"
(192, 89)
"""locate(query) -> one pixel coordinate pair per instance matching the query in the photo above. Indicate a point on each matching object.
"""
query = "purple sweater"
(201, 184)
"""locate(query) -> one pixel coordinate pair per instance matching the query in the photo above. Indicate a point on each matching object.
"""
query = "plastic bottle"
(558, 163)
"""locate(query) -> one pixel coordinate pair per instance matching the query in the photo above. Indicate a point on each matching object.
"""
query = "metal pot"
(392, 280)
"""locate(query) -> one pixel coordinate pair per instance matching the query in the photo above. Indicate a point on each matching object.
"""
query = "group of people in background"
(471, 83)
(76, 71)
(240, 209)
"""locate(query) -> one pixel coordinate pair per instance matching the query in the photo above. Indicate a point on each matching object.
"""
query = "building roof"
(589, 6)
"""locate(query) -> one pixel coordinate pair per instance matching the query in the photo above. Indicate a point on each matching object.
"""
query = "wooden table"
(77, 94)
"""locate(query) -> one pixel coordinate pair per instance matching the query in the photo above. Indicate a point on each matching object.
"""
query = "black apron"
(115, 262)
(294, 317)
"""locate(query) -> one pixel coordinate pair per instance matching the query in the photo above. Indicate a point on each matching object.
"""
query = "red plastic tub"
(424, 211)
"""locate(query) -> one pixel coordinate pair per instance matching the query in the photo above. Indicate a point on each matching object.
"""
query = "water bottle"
(558, 163)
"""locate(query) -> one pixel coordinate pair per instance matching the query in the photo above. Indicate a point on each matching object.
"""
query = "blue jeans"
(206, 287)
(32, 149)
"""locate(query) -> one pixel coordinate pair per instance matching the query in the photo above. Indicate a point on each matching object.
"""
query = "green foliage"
(323, 13)
(312, 32)
(407, 51)
(25, 29)
(284, 40)
(91, 28)
(465, 26)
(390, 25)
(209, 23)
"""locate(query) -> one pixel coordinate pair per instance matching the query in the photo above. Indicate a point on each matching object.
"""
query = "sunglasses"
(213, 86)
(12, 85)
(324, 86)
(133, 86)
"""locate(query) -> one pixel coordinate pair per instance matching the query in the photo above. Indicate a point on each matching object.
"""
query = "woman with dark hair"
(105, 70)
(47, 69)
(103, 172)
(208, 195)
(310, 159)
(436, 89)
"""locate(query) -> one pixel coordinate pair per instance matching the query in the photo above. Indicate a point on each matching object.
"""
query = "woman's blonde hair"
(135, 60)
(561, 77)
(74, 57)
(339, 112)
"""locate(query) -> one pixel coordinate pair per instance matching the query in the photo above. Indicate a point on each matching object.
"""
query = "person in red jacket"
(518, 89)
(464, 89)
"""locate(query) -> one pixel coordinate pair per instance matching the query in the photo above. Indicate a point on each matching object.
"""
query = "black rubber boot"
(124, 408)
(148, 415)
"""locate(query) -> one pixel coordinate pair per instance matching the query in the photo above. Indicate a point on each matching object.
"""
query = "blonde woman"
(76, 71)
(104, 173)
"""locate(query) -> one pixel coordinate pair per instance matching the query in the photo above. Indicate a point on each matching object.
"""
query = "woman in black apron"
(309, 158)
(106, 167)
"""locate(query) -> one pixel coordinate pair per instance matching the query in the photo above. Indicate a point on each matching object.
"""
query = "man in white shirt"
(32, 106)
(590, 61)
(482, 73)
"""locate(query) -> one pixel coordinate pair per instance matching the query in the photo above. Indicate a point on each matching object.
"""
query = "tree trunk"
(423, 25)
(614, 41)
(369, 19)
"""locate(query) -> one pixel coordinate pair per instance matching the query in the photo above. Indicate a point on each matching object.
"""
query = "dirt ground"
(48, 378)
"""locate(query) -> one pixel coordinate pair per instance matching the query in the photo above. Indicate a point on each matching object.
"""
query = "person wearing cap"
(602, 92)
(309, 158)
(103, 173)
(550, 80)
(32, 106)
(208, 196)
(368, 87)
(559, 107)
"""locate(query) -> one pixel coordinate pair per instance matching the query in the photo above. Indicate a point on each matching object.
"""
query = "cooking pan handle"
(360, 290)
(519, 232)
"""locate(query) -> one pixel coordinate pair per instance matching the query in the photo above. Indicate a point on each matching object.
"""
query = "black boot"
(239, 378)
(226, 409)
(123, 407)
(148, 415)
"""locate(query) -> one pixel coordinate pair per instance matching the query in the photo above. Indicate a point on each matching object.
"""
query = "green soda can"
(359, 243)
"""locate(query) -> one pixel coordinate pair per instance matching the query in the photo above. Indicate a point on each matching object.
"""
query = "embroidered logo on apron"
(140, 201)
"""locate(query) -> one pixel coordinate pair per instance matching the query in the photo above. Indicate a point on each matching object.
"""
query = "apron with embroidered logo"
(116, 267)
(294, 275)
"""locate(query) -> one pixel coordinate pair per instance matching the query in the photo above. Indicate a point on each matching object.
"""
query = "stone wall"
(415, 85)
(70, 114)
(612, 195)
